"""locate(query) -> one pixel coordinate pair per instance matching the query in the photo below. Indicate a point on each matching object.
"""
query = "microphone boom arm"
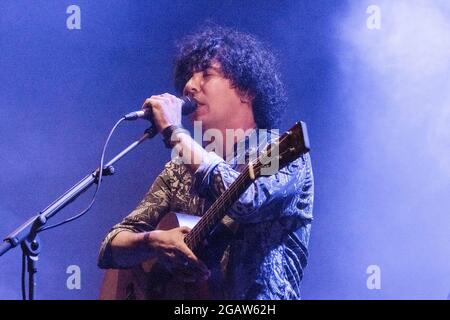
(28, 231)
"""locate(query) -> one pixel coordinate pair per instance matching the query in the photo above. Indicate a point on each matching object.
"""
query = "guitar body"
(151, 280)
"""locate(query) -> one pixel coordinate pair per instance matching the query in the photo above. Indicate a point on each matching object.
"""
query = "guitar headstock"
(278, 154)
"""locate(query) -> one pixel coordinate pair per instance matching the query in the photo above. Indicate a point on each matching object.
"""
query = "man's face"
(218, 101)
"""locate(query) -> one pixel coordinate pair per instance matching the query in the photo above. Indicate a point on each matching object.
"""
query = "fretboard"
(218, 210)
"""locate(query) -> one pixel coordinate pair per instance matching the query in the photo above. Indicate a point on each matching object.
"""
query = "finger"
(185, 230)
(159, 97)
(195, 263)
(186, 262)
(148, 103)
(186, 254)
(169, 96)
(152, 102)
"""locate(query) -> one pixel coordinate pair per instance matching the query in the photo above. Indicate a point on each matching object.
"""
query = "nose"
(193, 85)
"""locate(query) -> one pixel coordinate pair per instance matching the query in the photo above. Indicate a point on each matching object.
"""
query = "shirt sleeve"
(145, 217)
(268, 197)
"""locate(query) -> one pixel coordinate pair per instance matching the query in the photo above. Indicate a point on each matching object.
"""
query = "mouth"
(201, 107)
(197, 101)
(199, 111)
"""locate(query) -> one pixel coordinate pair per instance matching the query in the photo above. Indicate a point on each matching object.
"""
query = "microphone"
(189, 106)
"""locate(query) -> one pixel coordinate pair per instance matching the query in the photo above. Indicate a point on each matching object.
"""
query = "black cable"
(99, 181)
(24, 295)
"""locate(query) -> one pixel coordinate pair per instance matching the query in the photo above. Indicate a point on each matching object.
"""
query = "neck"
(235, 136)
(232, 131)
(223, 144)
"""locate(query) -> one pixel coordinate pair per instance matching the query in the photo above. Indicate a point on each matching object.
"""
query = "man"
(233, 79)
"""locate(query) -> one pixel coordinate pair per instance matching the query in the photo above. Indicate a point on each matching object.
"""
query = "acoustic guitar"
(150, 280)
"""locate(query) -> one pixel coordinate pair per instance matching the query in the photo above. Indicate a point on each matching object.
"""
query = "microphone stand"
(27, 234)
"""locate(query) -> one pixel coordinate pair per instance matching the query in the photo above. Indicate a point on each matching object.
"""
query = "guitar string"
(211, 214)
(193, 237)
(196, 233)
(222, 199)
(199, 230)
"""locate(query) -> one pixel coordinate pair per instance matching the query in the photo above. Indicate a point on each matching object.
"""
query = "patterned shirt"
(266, 256)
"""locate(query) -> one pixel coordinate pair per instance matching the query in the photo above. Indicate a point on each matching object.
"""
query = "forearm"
(191, 153)
(130, 248)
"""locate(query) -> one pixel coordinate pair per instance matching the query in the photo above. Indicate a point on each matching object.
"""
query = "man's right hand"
(171, 250)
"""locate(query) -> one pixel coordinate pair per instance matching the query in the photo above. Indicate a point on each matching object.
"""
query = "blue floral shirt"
(271, 221)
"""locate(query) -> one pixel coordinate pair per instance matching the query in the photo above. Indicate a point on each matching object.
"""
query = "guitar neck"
(287, 148)
(218, 210)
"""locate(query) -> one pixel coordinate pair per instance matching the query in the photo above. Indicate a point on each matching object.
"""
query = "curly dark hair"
(246, 61)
